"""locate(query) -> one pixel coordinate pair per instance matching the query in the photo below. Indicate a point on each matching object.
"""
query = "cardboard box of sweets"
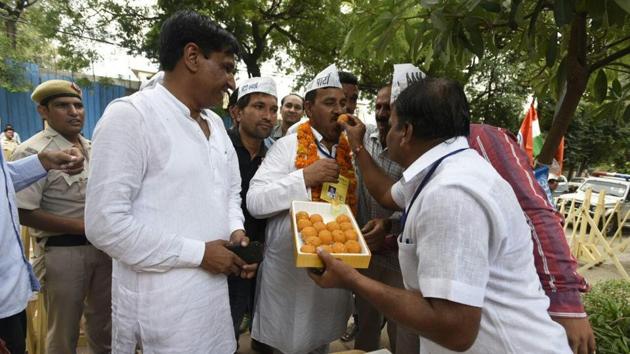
(348, 246)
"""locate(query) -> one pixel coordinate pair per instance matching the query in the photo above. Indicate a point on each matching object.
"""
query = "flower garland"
(307, 155)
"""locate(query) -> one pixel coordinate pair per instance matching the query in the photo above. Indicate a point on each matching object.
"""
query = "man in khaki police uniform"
(74, 274)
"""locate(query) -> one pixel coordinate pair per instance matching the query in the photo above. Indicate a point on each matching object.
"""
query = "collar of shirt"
(61, 141)
(179, 105)
(429, 157)
(238, 143)
(319, 139)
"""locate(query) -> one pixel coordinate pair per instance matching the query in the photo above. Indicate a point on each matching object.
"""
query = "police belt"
(67, 241)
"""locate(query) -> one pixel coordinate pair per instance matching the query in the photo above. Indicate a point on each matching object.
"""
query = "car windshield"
(611, 188)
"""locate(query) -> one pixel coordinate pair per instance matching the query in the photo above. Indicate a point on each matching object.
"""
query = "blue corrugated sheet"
(17, 108)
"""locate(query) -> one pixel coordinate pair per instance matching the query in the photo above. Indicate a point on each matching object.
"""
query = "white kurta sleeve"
(276, 183)
(119, 162)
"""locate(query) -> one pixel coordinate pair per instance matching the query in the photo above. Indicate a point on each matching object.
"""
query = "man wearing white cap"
(292, 314)
(256, 108)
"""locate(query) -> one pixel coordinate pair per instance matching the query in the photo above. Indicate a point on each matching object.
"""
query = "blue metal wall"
(17, 108)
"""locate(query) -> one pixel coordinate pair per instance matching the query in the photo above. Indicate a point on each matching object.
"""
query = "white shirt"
(159, 189)
(292, 314)
(466, 240)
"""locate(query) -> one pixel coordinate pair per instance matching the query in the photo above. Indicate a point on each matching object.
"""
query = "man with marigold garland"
(292, 314)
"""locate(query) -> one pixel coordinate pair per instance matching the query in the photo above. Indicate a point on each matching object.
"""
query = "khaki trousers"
(78, 282)
(384, 269)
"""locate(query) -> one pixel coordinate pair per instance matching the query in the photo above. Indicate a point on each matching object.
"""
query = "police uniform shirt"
(58, 193)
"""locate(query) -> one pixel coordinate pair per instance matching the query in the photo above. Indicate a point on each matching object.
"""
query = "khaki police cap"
(50, 89)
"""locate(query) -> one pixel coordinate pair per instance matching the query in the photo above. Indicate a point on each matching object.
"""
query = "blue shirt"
(17, 279)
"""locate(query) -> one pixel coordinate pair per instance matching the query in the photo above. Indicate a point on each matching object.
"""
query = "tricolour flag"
(529, 135)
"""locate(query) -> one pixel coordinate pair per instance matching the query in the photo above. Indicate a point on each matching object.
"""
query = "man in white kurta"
(163, 200)
(292, 314)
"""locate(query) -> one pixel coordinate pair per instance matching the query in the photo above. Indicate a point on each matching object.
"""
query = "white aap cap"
(328, 77)
(404, 75)
(257, 84)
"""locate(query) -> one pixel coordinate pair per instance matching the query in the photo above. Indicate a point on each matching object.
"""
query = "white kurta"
(158, 191)
(292, 314)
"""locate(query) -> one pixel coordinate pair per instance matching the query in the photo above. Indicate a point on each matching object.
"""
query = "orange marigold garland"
(307, 155)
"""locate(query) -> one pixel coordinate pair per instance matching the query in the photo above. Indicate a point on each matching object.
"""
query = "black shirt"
(254, 228)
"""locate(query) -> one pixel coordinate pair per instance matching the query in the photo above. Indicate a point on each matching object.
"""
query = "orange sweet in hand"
(343, 118)
(307, 248)
(338, 247)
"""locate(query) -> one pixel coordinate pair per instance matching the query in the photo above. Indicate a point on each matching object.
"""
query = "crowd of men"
(468, 254)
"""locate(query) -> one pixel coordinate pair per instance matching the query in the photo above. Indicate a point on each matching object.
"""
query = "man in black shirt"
(256, 109)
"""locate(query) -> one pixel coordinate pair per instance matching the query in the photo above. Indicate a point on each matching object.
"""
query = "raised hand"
(322, 170)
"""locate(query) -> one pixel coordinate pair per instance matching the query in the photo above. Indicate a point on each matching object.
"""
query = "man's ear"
(43, 111)
(308, 106)
(407, 134)
(239, 114)
(192, 56)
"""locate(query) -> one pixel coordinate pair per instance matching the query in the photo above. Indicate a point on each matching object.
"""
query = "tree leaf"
(476, 42)
(563, 11)
(600, 86)
(624, 4)
(616, 88)
(437, 19)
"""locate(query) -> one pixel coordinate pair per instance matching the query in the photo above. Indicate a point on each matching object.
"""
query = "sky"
(116, 63)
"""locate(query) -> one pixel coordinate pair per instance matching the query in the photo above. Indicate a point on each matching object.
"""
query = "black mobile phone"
(253, 253)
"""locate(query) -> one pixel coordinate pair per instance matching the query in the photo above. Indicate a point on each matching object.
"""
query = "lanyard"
(323, 151)
(424, 182)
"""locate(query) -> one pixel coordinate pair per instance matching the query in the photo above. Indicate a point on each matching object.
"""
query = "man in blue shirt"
(16, 275)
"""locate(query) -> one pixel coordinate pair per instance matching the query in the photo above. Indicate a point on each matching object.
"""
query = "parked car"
(617, 189)
(575, 183)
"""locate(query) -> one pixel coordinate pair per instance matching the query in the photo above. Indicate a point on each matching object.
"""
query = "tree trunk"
(253, 69)
(575, 85)
(11, 30)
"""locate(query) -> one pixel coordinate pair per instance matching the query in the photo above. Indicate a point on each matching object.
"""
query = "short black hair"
(310, 96)
(233, 98)
(187, 26)
(435, 107)
(348, 78)
(291, 94)
(244, 101)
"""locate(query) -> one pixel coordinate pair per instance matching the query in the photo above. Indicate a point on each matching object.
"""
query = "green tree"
(264, 28)
(55, 34)
(563, 43)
